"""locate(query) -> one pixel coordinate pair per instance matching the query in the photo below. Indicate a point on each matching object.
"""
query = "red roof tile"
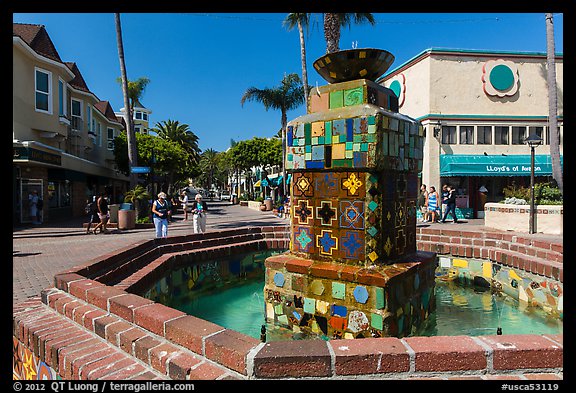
(37, 38)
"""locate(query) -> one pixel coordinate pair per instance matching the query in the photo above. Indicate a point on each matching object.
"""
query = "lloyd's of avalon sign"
(511, 165)
(31, 154)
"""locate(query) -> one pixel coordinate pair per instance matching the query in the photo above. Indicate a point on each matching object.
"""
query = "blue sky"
(200, 65)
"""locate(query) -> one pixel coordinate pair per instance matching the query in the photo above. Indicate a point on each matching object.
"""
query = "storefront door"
(26, 187)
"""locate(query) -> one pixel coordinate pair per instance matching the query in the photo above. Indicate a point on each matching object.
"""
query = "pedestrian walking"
(184, 201)
(199, 209)
(422, 202)
(450, 205)
(444, 197)
(433, 200)
(92, 211)
(160, 213)
(103, 213)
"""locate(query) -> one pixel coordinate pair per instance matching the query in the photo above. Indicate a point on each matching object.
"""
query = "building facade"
(62, 132)
(477, 107)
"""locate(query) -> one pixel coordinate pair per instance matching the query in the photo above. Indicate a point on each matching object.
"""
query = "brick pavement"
(39, 252)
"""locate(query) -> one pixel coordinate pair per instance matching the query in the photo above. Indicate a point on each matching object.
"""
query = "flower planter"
(547, 219)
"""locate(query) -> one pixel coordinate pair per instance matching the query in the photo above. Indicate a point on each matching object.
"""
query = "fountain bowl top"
(351, 64)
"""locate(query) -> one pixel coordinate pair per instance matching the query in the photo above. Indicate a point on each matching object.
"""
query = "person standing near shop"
(433, 200)
(199, 208)
(160, 212)
(450, 205)
(422, 202)
(444, 196)
(33, 206)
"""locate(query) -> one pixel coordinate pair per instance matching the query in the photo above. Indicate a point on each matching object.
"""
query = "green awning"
(495, 165)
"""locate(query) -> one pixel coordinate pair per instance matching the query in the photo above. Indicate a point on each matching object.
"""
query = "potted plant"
(139, 197)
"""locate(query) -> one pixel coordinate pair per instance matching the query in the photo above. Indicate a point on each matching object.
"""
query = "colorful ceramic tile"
(360, 294)
(338, 290)
(353, 185)
(380, 298)
(338, 310)
(339, 151)
(317, 153)
(336, 99)
(303, 239)
(318, 128)
(354, 96)
(309, 305)
(376, 321)
(352, 214)
(317, 287)
(326, 213)
(352, 245)
(303, 212)
(338, 323)
(303, 185)
(279, 279)
(326, 184)
(357, 321)
(338, 127)
(326, 242)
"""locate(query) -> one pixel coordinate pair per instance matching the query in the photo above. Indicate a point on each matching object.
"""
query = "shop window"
(449, 135)
(501, 135)
(484, 135)
(518, 135)
(466, 135)
(59, 194)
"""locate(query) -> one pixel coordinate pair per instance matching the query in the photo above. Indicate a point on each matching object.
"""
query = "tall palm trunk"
(284, 124)
(303, 56)
(553, 104)
(130, 136)
(332, 32)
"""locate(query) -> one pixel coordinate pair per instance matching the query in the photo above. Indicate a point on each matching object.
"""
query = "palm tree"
(553, 104)
(334, 22)
(131, 138)
(301, 21)
(287, 96)
(209, 164)
(136, 196)
(135, 91)
(181, 134)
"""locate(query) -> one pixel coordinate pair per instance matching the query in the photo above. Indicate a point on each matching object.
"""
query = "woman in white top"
(184, 200)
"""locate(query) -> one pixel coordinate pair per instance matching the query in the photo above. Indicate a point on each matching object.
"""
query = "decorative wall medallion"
(352, 184)
(500, 78)
(352, 214)
(398, 86)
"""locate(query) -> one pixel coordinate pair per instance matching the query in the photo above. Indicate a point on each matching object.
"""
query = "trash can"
(113, 209)
(268, 203)
(235, 199)
(126, 219)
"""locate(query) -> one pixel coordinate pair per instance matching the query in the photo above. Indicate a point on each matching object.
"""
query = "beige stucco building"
(62, 132)
(477, 107)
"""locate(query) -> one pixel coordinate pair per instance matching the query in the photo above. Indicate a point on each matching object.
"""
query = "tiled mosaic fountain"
(352, 269)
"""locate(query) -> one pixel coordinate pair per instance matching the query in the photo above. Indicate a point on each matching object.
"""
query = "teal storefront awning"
(495, 165)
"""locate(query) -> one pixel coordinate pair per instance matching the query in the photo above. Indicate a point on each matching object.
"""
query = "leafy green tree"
(168, 156)
(289, 95)
(334, 22)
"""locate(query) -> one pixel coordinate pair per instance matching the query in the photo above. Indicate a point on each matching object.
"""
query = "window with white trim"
(518, 135)
(484, 135)
(62, 107)
(89, 117)
(501, 135)
(145, 116)
(99, 133)
(466, 135)
(138, 115)
(110, 138)
(448, 135)
(43, 87)
(76, 115)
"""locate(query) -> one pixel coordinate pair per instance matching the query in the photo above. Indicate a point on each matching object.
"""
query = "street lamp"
(437, 128)
(533, 141)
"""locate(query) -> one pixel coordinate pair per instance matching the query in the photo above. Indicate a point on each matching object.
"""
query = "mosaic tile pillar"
(354, 162)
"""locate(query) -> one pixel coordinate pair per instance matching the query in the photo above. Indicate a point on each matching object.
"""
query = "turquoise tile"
(380, 298)
(349, 146)
(364, 147)
(309, 305)
(338, 290)
(376, 321)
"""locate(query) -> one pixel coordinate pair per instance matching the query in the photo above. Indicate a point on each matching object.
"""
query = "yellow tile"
(318, 128)
(339, 151)
(513, 275)
(459, 263)
(487, 269)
